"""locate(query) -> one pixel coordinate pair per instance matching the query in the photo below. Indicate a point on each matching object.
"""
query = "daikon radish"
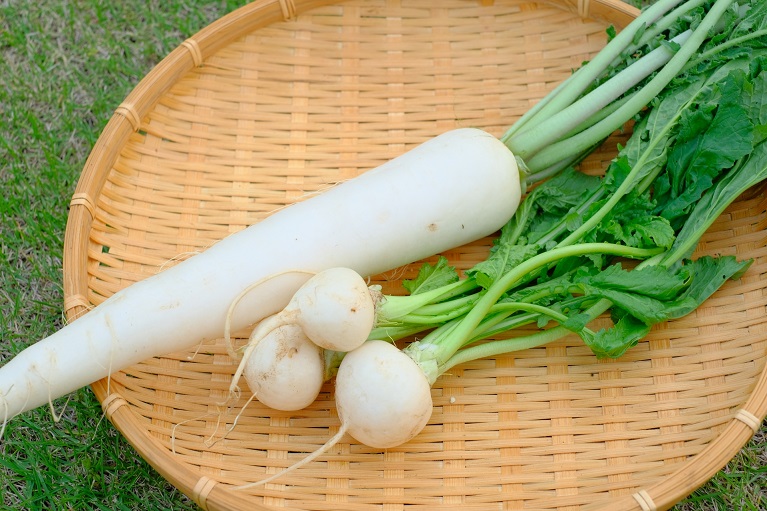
(453, 189)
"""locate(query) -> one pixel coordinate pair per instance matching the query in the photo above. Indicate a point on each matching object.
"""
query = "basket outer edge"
(142, 98)
(711, 459)
(127, 119)
(611, 11)
(179, 475)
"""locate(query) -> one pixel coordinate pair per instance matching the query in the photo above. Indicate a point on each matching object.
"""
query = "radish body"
(453, 189)
(335, 309)
(383, 400)
(383, 397)
(286, 369)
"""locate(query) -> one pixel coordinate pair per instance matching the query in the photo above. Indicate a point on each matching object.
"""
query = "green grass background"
(65, 65)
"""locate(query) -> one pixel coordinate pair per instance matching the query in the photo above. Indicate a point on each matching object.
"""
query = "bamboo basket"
(281, 98)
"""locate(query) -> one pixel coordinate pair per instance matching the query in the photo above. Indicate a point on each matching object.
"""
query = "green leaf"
(709, 274)
(692, 284)
(614, 342)
(711, 139)
(652, 281)
(750, 171)
(564, 191)
(646, 309)
(550, 206)
(432, 277)
(577, 322)
(642, 231)
(503, 259)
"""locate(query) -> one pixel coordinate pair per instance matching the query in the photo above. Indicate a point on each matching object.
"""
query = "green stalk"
(496, 348)
(532, 112)
(567, 91)
(436, 318)
(529, 307)
(392, 308)
(555, 169)
(601, 130)
(442, 349)
(437, 309)
(541, 174)
(531, 142)
(498, 323)
(582, 79)
(396, 332)
(724, 46)
(667, 21)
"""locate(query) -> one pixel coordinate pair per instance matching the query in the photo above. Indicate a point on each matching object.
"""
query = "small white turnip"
(383, 400)
(285, 370)
(382, 395)
(335, 309)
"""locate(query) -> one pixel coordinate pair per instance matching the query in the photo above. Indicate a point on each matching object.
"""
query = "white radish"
(286, 369)
(383, 400)
(382, 395)
(334, 309)
(453, 189)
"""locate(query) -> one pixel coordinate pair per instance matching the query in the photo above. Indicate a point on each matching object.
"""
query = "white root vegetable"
(286, 369)
(453, 189)
(383, 400)
(334, 309)
(383, 397)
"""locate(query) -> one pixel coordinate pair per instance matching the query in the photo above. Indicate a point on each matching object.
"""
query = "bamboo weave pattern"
(295, 96)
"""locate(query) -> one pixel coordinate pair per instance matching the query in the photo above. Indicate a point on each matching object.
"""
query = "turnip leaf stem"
(503, 346)
(395, 307)
(581, 80)
(668, 20)
(495, 348)
(530, 142)
(462, 331)
(729, 43)
(552, 152)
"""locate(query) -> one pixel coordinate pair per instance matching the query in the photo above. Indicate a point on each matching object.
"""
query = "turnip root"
(334, 310)
(286, 369)
(453, 189)
(383, 400)
(383, 397)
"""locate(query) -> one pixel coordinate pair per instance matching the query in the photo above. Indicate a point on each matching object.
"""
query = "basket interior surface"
(294, 106)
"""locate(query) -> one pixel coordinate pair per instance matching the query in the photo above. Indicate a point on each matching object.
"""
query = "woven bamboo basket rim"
(138, 202)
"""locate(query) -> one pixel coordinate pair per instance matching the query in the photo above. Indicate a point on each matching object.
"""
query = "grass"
(64, 67)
